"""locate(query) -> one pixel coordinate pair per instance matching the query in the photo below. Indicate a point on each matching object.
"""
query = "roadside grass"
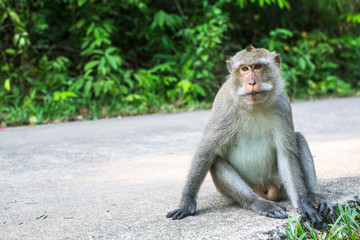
(346, 225)
(13, 117)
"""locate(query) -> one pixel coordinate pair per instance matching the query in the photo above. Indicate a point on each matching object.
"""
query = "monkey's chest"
(253, 156)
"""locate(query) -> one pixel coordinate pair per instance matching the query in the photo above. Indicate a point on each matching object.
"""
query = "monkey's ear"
(277, 59)
(250, 48)
(228, 64)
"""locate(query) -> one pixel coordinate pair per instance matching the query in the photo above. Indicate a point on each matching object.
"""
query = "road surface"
(117, 178)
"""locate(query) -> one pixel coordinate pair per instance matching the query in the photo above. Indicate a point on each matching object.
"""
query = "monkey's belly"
(254, 158)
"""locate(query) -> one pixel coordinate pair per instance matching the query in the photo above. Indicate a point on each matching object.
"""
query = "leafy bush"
(316, 65)
(67, 60)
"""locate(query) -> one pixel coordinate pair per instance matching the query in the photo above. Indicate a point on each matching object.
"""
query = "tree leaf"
(10, 51)
(199, 90)
(101, 67)
(186, 85)
(91, 65)
(16, 20)
(87, 88)
(114, 62)
(97, 87)
(81, 2)
(7, 84)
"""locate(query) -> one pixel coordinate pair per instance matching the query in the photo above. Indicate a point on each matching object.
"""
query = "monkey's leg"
(308, 170)
(230, 184)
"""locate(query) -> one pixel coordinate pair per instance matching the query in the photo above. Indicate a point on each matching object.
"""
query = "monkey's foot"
(269, 208)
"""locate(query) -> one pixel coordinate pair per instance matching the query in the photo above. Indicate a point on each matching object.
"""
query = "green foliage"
(67, 60)
(261, 3)
(315, 64)
(346, 226)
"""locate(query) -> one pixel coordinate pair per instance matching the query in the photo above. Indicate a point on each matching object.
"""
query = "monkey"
(250, 147)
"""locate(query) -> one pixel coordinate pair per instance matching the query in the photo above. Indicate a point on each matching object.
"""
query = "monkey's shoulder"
(282, 103)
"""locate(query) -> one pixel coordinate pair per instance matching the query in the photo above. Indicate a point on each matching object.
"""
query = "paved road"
(117, 178)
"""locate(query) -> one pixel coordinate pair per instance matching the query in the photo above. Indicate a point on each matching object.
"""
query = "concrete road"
(117, 178)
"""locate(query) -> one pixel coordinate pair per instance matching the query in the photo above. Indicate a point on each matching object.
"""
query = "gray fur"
(247, 142)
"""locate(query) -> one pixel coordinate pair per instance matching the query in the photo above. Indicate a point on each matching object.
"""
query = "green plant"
(346, 226)
(311, 64)
(63, 60)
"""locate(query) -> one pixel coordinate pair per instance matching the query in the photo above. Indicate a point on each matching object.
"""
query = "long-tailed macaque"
(250, 146)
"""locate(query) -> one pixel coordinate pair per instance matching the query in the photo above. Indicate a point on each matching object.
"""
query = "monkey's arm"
(207, 151)
(289, 167)
(294, 185)
(200, 166)
(306, 162)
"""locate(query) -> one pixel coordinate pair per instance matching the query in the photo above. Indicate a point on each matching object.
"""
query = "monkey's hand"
(268, 208)
(323, 205)
(308, 210)
(185, 210)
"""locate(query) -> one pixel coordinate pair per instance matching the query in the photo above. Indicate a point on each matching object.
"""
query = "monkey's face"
(254, 75)
(253, 85)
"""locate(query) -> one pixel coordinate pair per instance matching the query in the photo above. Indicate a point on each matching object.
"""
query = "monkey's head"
(255, 75)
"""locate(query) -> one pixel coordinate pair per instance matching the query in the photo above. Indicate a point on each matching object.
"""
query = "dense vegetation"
(68, 59)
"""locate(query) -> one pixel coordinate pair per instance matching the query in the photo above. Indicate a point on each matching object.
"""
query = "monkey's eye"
(245, 68)
(257, 66)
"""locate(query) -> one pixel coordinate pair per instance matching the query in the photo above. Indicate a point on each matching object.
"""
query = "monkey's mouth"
(254, 93)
